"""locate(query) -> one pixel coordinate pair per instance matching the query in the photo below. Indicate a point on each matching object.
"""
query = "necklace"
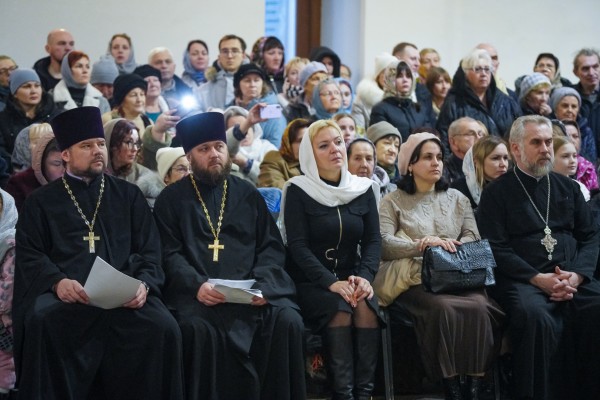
(548, 241)
(215, 246)
(90, 238)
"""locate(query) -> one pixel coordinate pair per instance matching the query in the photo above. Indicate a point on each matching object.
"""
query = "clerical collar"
(74, 176)
(537, 178)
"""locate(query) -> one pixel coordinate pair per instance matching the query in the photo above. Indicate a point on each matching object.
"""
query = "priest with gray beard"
(545, 243)
(215, 225)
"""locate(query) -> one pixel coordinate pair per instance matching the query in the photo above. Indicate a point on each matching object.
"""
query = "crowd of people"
(323, 195)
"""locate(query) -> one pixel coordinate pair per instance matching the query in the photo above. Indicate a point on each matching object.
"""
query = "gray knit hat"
(21, 76)
(558, 94)
(531, 81)
(104, 70)
(311, 68)
(382, 129)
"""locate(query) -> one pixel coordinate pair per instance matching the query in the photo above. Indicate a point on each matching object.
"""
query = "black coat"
(13, 120)
(404, 114)
(591, 111)
(497, 114)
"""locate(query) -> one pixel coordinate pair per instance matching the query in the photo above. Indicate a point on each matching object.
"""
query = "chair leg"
(386, 345)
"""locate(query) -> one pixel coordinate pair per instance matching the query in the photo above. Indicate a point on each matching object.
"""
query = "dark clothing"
(4, 93)
(13, 120)
(591, 111)
(460, 184)
(275, 82)
(404, 114)
(76, 351)
(320, 254)
(41, 67)
(497, 114)
(589, 140)
(258, 348)
(453, 168)
(21, 185)
(297, 110)
(542, 331)
(318, 53)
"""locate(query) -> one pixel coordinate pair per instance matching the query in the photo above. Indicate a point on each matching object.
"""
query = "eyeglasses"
(330, 93)
(182, 169)
(6, 71)
(479, 70)
(133, 145)
(227, 52)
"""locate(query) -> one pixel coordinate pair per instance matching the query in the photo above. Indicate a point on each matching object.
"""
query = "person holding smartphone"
(250, 89)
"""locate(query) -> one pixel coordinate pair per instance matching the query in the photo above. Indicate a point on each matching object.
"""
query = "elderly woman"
(74, 89)
(474, 94)
(566, 104)
(173, 166)
(487, 160)
(438, 83)
(397, 106)
(387, 141)
(195, 63)
(123, 143)
(121, 48)
(455, 331)
(535, 95)
(327, 99)
(328, 216)
(269, 54)
(27, 103)
(547, 64)
(249, 89)
(279, 166)
(252, 148)
(362, 161)
(46, 166)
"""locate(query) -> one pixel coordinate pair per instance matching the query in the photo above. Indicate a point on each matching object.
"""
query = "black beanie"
(147, 70)
(126, 83)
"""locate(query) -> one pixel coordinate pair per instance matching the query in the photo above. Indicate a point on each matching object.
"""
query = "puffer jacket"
(497, 114)
(404, 114)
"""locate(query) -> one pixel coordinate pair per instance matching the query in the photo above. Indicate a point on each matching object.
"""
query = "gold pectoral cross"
(91, 239)
(549, 242)
(215, 247)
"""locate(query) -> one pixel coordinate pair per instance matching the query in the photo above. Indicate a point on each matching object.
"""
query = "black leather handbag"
(471, 267)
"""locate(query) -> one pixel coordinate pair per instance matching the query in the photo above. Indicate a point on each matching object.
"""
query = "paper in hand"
(108, 288)
(236, 291)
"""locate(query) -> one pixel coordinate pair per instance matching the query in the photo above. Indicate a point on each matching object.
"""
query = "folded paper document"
(236, 291)
(108, 288)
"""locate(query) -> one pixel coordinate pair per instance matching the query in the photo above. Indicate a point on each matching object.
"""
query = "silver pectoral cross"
(549, 242)
(91, 239)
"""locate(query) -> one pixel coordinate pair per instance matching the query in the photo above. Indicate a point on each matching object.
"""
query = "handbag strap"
(467, 231)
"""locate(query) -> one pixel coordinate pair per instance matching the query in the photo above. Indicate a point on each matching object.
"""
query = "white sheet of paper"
(108, 288)
(236, 291)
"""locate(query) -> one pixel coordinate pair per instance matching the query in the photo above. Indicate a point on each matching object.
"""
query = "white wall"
(24, 24)
(519, 29)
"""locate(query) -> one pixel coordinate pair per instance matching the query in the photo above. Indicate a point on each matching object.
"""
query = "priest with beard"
(65, 348)
(545, 243)
(215, 225)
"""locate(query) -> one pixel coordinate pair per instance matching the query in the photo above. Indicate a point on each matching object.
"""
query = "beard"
(211, 177)
(537, 169)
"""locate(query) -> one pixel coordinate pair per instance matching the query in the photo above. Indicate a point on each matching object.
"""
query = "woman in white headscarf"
(8, 220)
(330, 219)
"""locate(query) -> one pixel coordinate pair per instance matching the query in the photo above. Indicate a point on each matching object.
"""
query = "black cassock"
(231, 351)
(555, 345)
(76, 351)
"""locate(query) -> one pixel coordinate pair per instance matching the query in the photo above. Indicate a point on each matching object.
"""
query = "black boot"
(452, 389)
(366, 352)
(473, 383)
(340, 361)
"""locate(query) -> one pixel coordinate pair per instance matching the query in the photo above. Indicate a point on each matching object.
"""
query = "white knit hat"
(165, 158)
(382, 61)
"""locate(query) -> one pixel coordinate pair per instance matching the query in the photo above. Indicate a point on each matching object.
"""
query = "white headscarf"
(468, 168)
(349, 188)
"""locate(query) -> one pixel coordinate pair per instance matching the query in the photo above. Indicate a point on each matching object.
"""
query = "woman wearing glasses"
(397, 106)
(123, 144)
(474, 94)
(173, 166)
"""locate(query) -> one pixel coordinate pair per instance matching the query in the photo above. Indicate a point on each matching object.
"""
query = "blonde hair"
(559, 141)
(481, 149)
(317, 126)
(295, 62)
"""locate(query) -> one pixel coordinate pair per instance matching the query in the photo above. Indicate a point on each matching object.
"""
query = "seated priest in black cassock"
(545, 243)
(66, 348)
(215, 225)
